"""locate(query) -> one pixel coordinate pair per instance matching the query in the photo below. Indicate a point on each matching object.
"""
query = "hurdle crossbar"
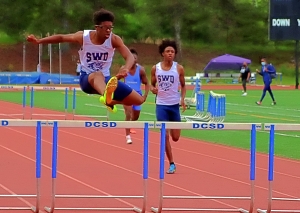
(51, 115)
(98, 124)
(91, 116)
(37, 124)
(207, 126)
(272, 128)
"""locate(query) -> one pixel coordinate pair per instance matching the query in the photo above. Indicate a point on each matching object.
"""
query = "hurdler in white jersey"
(165, 78)
(167, 84)
(96, 55)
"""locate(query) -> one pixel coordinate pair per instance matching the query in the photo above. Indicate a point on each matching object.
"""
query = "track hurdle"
(23, 101)
(216, 108)
(52, 115)
(207, 126)
(272, 128)
(195, 80)
(22, 123)
(92, 116)
(98, 124)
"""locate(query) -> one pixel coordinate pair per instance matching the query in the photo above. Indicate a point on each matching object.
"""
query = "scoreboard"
(284, 20)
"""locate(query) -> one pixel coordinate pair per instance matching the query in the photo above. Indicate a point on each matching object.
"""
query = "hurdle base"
(48, 209)
(135, 209)
(35, 209)
(153, 209)
(277, 210)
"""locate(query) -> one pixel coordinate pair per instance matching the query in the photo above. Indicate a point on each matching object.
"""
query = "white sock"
(128, 137)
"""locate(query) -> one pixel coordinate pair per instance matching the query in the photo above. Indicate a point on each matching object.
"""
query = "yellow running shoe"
(108, 96)
(109, 108)
(111, 86)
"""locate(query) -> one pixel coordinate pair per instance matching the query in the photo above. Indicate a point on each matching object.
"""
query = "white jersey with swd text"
(167, 82)
(95, 58)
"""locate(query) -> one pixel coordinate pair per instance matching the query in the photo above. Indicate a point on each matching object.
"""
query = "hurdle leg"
(54, 167)
(24, 102)
(52, 207)
(74, 103)
(162, 168)
(36, 209)
(31, 102)
(146, 169)
(66, 103)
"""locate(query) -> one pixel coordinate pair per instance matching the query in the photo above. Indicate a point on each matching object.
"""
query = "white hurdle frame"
(25, 123)
(272, 128)
(99, 124)
(207, 126)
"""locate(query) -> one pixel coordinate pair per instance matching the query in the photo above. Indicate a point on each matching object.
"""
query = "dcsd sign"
(100, 124)
(4, 123)
(208, 126)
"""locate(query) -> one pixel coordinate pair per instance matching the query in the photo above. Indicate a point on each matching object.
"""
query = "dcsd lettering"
(100, 124)
(208, 126)
(4, 123)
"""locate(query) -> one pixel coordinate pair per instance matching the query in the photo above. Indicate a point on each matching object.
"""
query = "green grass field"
(239, 109)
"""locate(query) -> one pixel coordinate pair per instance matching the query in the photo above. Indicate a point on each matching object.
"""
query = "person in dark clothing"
(244, 77)
(266, 72)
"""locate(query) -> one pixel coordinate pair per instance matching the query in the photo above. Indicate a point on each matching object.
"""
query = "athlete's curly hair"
(103, 15)
(167, 43)
(133, 51)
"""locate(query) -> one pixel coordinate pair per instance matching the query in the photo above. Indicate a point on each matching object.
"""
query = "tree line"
(189, 21)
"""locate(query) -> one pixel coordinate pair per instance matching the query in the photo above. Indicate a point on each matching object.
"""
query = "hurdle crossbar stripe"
(208, 125)
(121, 124)
(282, 126)
(193, 125)
(99, 196)
(272, 128)
(59, 115)
(205, 210)
(79, 123)
(92, 116)
(37, 124)
(99, 209)
(205, 197)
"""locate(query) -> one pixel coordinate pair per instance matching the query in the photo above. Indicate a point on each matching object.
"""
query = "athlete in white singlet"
(96, 53)
(165, 78)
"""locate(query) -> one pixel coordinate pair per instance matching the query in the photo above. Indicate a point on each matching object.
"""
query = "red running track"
(99, 162)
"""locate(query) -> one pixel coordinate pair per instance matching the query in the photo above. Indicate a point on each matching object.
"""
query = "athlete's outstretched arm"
(118, 43)
(145, 81)
(153, 80)
(182, 84)
(59, 38)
